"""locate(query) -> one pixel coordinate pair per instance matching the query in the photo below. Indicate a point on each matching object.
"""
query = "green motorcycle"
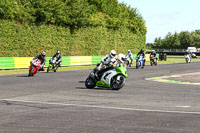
(52, 65)
(113, 79)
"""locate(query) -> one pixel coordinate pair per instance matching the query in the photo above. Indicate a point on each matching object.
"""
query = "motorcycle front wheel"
(137, 65)
(90, 83)
(49, 69)
(31, 73)
(117, 82)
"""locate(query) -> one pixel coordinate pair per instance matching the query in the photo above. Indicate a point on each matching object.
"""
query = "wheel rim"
(117, 83)
(89, 82)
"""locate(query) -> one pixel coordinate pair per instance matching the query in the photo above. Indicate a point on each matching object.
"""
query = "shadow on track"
(22, 76)
(96, 88)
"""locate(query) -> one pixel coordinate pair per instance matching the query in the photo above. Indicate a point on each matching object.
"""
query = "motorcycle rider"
(142, 53)
(129, 55)
(58, 58)
(121, 59)
(42, 58)
(188, 55)
(153, 55)
(106, 63)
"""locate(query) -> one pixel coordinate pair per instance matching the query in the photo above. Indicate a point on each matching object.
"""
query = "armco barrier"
(80, 60)
(24, 62)
(7, 63)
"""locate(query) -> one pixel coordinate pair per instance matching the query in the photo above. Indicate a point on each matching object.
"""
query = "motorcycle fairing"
(106, 78)
(140, 60)
(121, 70)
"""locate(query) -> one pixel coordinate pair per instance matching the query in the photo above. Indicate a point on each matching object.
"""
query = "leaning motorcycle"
(139, 62)
(34, 67)
(153, 61)
(187, 58)
(128, 61)
(113, 79)
(52, 65)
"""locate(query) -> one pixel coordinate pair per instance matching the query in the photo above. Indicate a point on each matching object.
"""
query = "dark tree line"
(178, 40)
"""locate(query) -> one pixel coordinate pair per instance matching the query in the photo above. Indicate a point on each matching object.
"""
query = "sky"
(163, 16)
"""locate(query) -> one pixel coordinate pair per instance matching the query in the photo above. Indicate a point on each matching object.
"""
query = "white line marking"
(183, 106)
(102, 107)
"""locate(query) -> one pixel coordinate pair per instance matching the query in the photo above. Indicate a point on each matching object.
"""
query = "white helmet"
(121, 57)
(129, 51)
(112, 53)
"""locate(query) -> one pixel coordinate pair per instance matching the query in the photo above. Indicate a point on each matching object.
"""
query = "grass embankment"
(169, 61)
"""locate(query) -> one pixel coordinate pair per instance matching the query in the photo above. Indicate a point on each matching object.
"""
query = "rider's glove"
(110, 66)
(104, 67)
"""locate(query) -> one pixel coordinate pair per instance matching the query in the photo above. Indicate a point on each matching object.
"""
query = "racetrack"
(60, 103)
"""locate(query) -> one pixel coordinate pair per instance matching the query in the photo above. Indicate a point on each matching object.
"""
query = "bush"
(23, 40)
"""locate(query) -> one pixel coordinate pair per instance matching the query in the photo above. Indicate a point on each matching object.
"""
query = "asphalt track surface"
(60, 103)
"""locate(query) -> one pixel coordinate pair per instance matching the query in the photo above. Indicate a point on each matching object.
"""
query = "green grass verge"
(169, 61)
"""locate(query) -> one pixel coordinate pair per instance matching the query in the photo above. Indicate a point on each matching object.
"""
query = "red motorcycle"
(34, 67)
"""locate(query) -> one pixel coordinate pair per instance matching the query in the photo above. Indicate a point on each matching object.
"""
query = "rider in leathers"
(58, 58)
(188, 55)
(142, 53)
(153, 54)
(106, 63)
(42, 58)
(130, 55)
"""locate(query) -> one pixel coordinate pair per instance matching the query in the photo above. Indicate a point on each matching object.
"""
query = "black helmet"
(57, 52)
(142, 50)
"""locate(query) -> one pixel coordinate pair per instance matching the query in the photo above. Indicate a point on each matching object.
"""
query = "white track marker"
(102, 107)
(183, 106)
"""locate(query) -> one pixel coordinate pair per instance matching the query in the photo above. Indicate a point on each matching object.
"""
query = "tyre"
(48, 69)
(31, 73)
(186, 60)
(55, 69)
(117, 84)
(137, 65)
(90, 83)
(151, 63)
(142, 65)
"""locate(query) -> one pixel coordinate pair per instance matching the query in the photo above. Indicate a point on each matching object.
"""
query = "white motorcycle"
(113, 79)
(187, 58)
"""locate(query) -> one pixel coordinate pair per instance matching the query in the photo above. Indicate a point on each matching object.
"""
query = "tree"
(185, 39)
